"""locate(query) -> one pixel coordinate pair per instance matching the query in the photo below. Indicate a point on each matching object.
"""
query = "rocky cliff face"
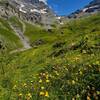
(91, 8)
(30, 10)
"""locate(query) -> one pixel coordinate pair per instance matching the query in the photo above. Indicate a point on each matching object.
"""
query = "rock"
(49, 30)
(92, 8)
(37, 43)
(34, 11)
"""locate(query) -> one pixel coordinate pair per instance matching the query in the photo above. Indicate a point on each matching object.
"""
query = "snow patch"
(84, 10)
(43, 11)
(35, 10)
(58, 17)
(20, 9)
(22, 5)
(94, 6)
(45, 1)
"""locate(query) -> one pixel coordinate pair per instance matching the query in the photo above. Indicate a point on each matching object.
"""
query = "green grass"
(15, 21)
(66, 67)
(8, 36)
(35, 32)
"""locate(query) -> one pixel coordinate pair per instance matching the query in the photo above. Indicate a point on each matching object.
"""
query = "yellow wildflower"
(98, 92)
(25, 84)
(73, 82)
(42, 87)
(29, 95)
(40, 81)
(20, 94)
(90, 65)
(47, 81)
(14, 87)
(42, 93)
(43, 74)
(66, 69)
(73, 44)
(97, 62)
(57, 73)
(47, 76)
(81, 73)
(46, 94)
(31, 81)
(73, 98)
(76, 58)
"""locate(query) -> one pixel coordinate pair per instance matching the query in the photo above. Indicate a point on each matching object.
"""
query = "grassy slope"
(15, 21)
(35, 32)
(70, 58)
(8, 36)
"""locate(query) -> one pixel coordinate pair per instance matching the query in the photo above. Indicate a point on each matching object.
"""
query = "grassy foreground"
(62, 65)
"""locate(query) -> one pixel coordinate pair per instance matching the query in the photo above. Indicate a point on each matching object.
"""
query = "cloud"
(45, 1)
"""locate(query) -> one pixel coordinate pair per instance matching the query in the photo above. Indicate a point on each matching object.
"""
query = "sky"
(65, 7)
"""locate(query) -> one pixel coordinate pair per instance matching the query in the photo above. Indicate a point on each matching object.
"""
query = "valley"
(47, 60)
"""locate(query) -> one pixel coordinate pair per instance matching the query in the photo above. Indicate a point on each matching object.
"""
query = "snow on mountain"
(36, 11)
(91, 8)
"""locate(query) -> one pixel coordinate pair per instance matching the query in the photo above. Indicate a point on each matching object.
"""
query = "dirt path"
(18, 50)
(21, 36)
(23, 39)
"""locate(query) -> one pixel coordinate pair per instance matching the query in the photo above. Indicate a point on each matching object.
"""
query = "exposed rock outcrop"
(91, 8)
(34, 11)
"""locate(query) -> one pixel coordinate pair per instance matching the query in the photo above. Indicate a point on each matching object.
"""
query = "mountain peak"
(92, 7)
(35, 11)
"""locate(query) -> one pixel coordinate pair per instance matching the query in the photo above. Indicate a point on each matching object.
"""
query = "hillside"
(62, 63)
(33, 11)
(8, 36)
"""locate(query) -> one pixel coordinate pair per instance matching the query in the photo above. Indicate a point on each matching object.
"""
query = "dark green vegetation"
(64, 64)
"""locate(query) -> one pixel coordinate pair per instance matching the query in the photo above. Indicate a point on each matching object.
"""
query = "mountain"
(62, 63)
(34, 11)
(91, 8)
